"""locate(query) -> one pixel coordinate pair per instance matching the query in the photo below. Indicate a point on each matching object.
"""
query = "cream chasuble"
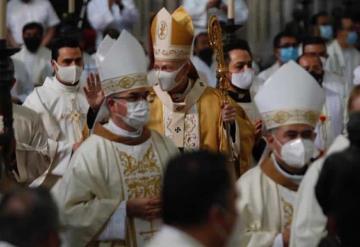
(63, 110)
(265, 205)
(106, 171)
(196, 122)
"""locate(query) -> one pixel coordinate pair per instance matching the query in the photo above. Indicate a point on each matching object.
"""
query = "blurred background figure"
(117, 14)
(321, 26)
(343, 56)
(33, 56)
(199, 210)
(337, 191)
(21, 12)
(202, 59)
(201, 10)
(29, 218)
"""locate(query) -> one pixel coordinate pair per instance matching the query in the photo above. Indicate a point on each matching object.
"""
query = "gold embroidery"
(163, 30)
(288, 212)
(143, 177)
(125, 82)
(278, 118)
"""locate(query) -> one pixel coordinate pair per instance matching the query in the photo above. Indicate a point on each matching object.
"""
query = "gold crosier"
(216, 43)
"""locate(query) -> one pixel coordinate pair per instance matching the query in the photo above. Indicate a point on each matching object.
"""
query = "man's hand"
(93, 92)
(286, 236)
(213, 4)
(77, 145)
(228, 113)
(144, 208)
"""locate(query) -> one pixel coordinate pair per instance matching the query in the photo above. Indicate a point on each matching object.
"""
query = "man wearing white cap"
(110, 194)
(185, 109)
(290, 103)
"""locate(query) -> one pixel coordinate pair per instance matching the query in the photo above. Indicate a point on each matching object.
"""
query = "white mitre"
(290, 96)
(123, 67)
(103, 49)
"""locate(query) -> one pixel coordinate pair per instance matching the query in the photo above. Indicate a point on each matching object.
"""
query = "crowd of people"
(155, 146)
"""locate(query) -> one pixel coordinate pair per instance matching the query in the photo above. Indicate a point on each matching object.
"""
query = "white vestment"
(199, 13)
(36, 64)
(333, 111)
(23, 86)
(309, 222)
(104, 173)
(63, 110)
(265, 74)
(102, 17)
(171, 236)
(20, 13)
(34, 151)
(265, 205)
(343, 63)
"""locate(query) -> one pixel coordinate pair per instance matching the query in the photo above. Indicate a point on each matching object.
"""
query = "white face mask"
(297, 153)
(166, 80)
(69, 74)
(244, 79)
(137, 114)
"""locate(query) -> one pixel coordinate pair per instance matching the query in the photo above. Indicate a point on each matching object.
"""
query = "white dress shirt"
(20, 13)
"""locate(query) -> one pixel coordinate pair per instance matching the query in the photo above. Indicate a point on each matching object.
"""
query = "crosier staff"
(216, 43)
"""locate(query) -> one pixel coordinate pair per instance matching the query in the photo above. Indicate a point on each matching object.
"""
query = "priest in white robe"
(290, 110)
(110, 196)
(331, 122)
(35, 57)
(343, 56)
(61, 102)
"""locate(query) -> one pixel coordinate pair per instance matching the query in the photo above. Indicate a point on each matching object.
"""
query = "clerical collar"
(58, 85)
(294, 178)
(111, 126)
(241, 97)
(180, 97)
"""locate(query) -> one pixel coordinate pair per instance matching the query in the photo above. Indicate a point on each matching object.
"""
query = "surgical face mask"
(166, 80)
(206, 55)
(326, 32)
(244, 79)
(69, 74)
(352, 38)
(289, 53)
(32, 43)
(137, 114)
(297, 153)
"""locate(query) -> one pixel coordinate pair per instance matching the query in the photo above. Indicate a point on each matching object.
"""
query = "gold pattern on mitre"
(172, 35)
(276, 119)
(124, 83)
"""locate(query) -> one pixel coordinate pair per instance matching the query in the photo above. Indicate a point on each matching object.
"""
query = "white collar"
(178, 237)
(294, 178)
(54, 83)
(111, 126)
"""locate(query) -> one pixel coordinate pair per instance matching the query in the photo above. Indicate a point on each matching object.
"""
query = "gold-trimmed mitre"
(290, 96)
(122, 65)
(172, 35)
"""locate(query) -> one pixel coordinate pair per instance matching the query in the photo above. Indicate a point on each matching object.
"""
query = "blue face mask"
(287, 54)
(326, 32)
(352, 38)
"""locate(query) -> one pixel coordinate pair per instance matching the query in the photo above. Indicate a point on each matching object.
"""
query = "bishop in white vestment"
(290, 111)
(119, 168)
